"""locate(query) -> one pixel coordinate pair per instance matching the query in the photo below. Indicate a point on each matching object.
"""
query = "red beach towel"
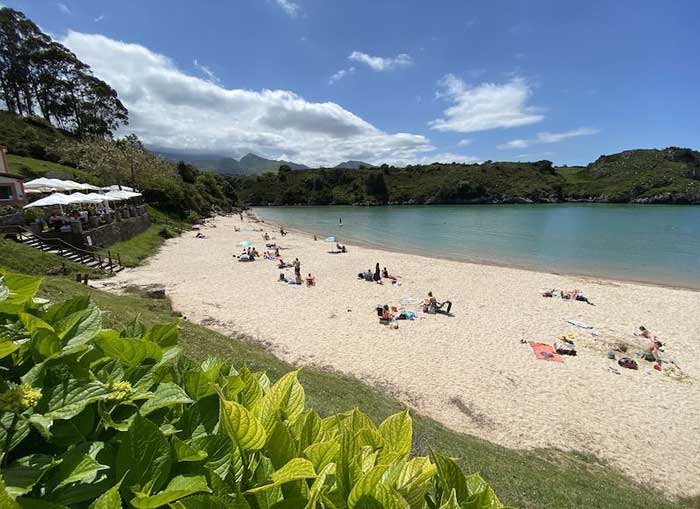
(545, 352)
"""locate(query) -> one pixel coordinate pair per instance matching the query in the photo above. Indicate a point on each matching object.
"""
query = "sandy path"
(469, 371)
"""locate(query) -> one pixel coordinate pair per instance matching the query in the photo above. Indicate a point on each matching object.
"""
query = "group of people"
(377, 275)
(576, 294)
(249, 255)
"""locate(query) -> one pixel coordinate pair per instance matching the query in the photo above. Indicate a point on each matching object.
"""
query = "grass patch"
(34, 168)
(135, 250)
(543, 478)
(17, 257)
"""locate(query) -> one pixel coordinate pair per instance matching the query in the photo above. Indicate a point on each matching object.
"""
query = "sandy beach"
(469, 371)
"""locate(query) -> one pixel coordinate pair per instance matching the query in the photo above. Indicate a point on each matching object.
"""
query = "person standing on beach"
(297, 267)
(377, 274)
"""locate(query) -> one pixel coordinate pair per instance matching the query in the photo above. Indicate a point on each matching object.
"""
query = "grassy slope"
(33, 168)
(528, 479)
(135, 250)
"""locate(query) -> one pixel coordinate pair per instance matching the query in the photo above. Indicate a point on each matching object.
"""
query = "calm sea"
(655, 244)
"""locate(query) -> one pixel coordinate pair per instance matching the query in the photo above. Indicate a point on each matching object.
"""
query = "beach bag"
(628, 363)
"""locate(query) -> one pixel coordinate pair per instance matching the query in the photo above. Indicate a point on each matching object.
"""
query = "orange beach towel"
(545, 352)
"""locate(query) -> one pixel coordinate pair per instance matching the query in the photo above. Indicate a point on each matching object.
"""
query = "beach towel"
(580, 324)
(544, 352)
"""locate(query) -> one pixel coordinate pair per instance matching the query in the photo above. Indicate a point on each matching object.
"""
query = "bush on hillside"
(106, 418)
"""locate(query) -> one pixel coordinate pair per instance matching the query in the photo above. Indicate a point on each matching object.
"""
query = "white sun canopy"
(45, 185)
(121, 195)
(51, 201)
(77, 198)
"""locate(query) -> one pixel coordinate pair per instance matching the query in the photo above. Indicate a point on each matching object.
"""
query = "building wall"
(15, 189)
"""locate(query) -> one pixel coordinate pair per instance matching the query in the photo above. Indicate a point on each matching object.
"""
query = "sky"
(396, 81)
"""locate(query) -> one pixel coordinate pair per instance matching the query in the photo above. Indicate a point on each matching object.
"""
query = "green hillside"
(671, 175)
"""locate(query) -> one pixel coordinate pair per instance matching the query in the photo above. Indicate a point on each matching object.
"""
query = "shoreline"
(468, 371)
(489, 263)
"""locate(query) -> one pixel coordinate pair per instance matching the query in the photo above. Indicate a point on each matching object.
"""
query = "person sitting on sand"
(200, 235)
(432, 306)
(386, 313)
(282, 232)
(277, 252)
(283, 278)
(236, 229)
(385, 275)
(266, 236)
(282, 264)
(310, 280)
(549, 293)
(652, 351)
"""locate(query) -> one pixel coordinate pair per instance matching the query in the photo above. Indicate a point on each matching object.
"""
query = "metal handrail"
(60, 243)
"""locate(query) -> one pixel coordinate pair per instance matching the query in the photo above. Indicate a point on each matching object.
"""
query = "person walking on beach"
(297, 266)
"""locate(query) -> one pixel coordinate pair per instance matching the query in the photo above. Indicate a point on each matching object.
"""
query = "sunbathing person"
(386, 313)
(283, 265)
(310, 280)
(652, 351)
(385, 275)
(432, 306)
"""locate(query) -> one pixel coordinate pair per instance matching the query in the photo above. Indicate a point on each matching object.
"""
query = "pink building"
(11, 186)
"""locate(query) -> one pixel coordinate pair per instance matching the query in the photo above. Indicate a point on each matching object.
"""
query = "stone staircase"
(110, 263)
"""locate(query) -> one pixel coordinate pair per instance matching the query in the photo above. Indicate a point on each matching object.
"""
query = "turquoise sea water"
(655, 244)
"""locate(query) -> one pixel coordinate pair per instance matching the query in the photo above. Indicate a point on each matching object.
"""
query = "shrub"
(98, 417)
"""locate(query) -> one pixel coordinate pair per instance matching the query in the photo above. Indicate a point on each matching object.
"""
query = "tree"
(39, 75)
(187, 172)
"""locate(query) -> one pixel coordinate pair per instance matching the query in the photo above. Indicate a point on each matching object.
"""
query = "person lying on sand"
(366, 275)
(432, 306)
(200, 235)
(283, 265)
(386, 313)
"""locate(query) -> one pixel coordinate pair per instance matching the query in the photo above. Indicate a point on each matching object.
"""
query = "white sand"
(469, 371)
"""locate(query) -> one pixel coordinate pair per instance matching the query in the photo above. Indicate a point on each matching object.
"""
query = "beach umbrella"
(330, 239)
(246, 243)
(84, 198)
(117, 188)
(51, 201)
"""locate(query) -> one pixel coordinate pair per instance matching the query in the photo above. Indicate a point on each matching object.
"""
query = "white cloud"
(64, 8)
(465, 142)
(382, 63)
(291, 8)
(176, 111)
(546, 137)
(532, 157)
(211, 77)
(339, 75)
(485, 106)
(99, 18)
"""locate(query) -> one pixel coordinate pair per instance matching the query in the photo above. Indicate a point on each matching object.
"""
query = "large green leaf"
(78, 464)
(167, 394)
(179, 487)
(68, 399)
(451, 501)
(59, 311)
(364, 489)
(451, 477)
(207, 502)
(397, 431)
(296, 470)
(45, 343)
(284, 400)
(23, 474)
(322, 453)
(241, 425)
(281, 446)
(110, 499)
(144, 455)
(80, 327)
(32, 323)
(21, 430)
(184, 452)
(131, 352)
(6, 501)
(6, 347)
(19, 289)
(164, 335)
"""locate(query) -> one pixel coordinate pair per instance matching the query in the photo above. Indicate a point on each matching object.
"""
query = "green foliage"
(100, 417)
(669, 175)
(40, 76)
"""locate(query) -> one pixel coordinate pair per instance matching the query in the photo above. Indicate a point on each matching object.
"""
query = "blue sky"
(320, 81)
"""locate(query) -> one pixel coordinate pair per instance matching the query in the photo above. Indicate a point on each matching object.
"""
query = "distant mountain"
(249, 164)
(353, 165)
